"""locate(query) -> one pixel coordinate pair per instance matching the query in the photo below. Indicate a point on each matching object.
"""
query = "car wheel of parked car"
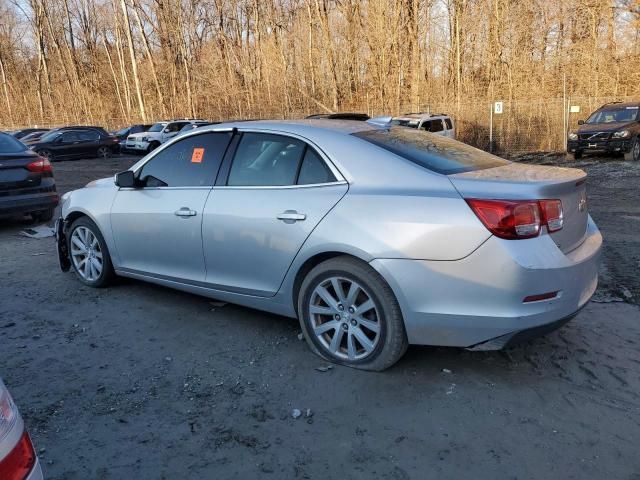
(633, 155)
(46, 154)
(349, 315)
(152, 146)
(577, 155)
(43, 215)
(89, 254)
(104, 152)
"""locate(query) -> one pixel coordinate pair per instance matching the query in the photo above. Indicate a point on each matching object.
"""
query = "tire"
(43, 215)
(633, 155)
(378, 307)
(152, 146)
(84, 271)
(46, 154)
(577, 155)
(104, 152)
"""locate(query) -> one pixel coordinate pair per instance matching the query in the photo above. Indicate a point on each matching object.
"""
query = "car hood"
(603, 127)
(142, 134)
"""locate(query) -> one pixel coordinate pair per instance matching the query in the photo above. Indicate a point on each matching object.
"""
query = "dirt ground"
(139, 381)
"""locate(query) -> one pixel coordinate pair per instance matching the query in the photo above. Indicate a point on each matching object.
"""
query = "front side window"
(266, 160)
(436, 126)
(69, 137)
(191, 162)
(157, 127)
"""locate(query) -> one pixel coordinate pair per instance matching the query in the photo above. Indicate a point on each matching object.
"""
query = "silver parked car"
(374, 237)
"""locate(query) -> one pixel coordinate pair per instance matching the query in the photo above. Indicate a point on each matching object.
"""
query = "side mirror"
(580, 122)
(125, 179)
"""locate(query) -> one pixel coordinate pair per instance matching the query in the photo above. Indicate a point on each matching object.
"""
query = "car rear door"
(68, 145)
(89, 142)
(270, 196)
(158, 227)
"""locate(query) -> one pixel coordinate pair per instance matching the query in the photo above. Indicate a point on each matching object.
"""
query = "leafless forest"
(119, 61)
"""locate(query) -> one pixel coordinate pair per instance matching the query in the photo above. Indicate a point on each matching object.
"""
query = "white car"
(160, 132)
(439, 123)
(18, 459)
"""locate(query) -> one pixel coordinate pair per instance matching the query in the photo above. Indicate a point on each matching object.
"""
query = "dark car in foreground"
(26, 181)
(80, 142)
(18, 459)
(613, 128)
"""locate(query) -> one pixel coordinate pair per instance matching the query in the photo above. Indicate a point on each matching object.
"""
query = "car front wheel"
(633, 155)
(349, 315)
(89, 254)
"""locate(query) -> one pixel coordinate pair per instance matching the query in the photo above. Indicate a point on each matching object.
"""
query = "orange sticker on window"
(197, 155)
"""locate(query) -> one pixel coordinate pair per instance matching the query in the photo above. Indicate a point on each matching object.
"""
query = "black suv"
(26, 181)
(613, 128)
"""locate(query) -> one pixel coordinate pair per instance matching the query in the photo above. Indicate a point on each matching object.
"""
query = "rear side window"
(314, 170)
(191, 162)
(8, 144)
(433, 152)
(448, 123)
(266, 160)
(89, 136)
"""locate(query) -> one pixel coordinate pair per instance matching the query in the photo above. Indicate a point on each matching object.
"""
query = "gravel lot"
(139, 381)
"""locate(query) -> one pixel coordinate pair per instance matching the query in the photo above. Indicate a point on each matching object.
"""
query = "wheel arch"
(310, 263)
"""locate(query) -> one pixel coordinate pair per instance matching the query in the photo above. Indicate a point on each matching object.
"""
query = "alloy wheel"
(86, 254)
(103, 152)
(344, 318)
(636, 151)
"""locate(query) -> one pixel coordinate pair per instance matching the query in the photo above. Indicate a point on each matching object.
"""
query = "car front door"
(157, 227)
(172, 130)
(67, 145)
(276, 191)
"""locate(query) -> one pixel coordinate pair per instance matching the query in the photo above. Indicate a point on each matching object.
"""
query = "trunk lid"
(516, 181)
(14, 173)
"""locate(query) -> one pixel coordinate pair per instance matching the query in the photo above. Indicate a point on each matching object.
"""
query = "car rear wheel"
(349, 315)
(633, 155)
(43, 215)
(89, 254)
(104, 152)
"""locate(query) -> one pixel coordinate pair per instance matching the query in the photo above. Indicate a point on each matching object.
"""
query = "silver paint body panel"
(456, 284)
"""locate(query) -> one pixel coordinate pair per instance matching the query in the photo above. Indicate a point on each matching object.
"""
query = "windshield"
(434, 152)
(122, 132)
(8, 144)
(50, 137)
(614, 115)
(157, 127)
(405, 123)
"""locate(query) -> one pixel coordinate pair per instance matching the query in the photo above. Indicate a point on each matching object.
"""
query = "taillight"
(19, 462)
(552, 214)
(8, 412)
(40, 165)
(518, 219)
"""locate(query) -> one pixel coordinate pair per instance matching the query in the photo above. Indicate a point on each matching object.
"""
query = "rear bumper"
(28, 203)
(479, 299)
(606, 146)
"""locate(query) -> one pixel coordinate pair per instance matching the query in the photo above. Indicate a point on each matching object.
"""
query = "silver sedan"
(373, 237)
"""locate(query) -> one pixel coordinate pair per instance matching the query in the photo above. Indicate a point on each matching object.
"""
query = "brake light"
(40, 165)
(518, 219)
(17, 465)
(552, 214)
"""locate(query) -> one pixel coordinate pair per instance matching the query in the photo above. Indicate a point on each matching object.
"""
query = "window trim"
(141, 164)
(225, 169)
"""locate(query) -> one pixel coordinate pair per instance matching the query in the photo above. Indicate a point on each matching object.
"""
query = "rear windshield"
(8, 144)
(434, 152)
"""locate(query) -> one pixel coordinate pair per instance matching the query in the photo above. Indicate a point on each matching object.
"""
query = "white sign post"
(498, 108)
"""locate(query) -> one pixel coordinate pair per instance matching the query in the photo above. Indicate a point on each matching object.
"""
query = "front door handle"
(185, 212)
(291, 216)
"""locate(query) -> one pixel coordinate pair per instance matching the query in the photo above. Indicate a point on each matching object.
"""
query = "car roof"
(300, 127)
(420, 116)
(616, 105)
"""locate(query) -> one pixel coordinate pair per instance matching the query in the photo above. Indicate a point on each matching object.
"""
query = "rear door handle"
(185, 212)
(291, 216)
